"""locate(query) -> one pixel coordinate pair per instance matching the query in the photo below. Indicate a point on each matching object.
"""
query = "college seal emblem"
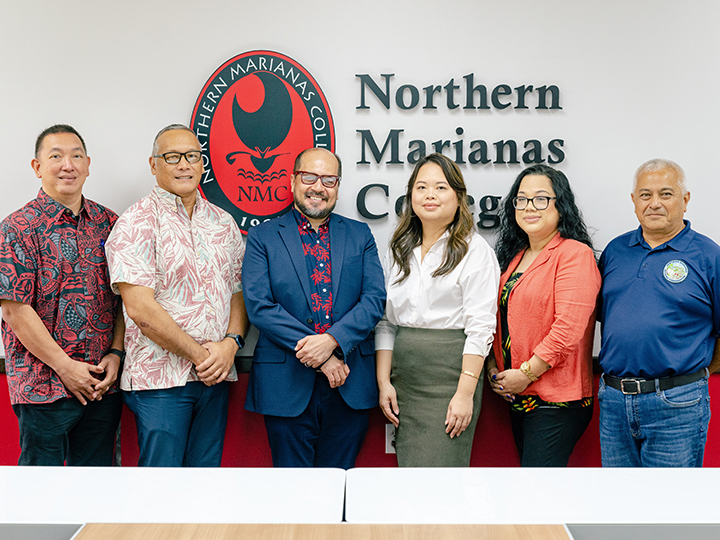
(252, 117)
(675, 271)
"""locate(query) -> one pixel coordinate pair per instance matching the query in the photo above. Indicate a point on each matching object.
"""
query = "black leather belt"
(634, 385)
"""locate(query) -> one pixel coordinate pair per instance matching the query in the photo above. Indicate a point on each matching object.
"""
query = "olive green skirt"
(426, 367)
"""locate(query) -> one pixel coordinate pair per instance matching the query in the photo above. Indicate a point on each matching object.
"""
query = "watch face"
(238, 339)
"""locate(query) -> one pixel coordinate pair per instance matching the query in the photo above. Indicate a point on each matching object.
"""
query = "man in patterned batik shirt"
(176, 259)
(62, 344)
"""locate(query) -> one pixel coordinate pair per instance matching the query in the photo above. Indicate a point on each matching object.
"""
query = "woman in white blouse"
(442, 281)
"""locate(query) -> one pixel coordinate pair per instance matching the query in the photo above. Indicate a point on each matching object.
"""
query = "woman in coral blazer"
(546, 317)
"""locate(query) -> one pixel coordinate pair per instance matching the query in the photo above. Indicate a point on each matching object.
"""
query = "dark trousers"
(546, 437)
(182, 426)
(66, 432)
(329, 433)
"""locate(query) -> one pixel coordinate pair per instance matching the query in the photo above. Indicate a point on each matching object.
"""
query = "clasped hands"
(317, 351)
(221, 356)
(81, 378)
(508, 383)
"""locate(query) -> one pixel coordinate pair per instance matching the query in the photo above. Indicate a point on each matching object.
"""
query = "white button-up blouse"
(466, 298)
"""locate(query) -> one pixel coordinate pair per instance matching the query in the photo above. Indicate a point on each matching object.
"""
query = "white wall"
(637, 79)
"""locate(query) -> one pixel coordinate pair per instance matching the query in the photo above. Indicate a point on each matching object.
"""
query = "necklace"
(425, 248)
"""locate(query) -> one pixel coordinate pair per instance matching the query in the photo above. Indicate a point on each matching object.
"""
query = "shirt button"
(324, 290)
(321, 264)
(327, 316)
(309, 321)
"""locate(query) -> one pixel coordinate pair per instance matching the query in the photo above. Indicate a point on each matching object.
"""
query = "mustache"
(316, 194)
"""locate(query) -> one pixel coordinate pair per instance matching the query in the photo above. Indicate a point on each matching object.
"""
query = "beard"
(312, 212)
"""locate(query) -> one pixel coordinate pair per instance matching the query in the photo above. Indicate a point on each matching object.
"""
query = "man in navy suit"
(314, 287)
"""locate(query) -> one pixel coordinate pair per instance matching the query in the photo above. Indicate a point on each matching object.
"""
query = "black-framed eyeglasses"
(541, 202)
(173, 158)
(308, 178)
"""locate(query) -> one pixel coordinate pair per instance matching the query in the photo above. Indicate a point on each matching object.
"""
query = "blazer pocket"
(268, 355)
(367, 347)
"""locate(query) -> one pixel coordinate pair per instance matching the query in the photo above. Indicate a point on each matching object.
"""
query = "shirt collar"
(175, 203)
(555, 241)
(55, 209)
(679, 242)
(303, 222)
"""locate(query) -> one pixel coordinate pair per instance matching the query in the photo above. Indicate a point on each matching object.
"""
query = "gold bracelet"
(465, 372)
(525, 368)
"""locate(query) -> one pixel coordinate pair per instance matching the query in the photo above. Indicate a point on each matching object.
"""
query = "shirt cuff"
(474, 346)
(384, 342)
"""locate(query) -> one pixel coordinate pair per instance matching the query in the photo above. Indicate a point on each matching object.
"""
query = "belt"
(634, 385)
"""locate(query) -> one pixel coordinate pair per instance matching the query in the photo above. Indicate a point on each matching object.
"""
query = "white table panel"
(164, 495)
(532, 496)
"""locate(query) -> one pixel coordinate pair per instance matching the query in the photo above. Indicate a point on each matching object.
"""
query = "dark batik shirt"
(316, 246)
(55, 262)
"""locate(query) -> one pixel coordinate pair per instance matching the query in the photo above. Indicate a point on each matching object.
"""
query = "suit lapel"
(543, 257)
(288, 230)
(338, 234)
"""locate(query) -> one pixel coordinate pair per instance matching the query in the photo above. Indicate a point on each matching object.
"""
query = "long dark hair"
(513, 239)
(409, 233)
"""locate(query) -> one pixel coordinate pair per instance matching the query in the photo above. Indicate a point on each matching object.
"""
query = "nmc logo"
(253, 116)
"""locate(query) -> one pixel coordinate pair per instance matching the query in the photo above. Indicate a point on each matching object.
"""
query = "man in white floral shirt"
(176, 260)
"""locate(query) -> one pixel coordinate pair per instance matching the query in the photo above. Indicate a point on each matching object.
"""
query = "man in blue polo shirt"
(660, 315)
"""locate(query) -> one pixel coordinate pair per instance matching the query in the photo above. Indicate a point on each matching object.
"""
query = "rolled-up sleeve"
(479, 281)
(385, 331)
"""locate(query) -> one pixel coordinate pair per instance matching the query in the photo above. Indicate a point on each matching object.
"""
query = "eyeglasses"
(173, 158)
(541, 202)
(308, 178)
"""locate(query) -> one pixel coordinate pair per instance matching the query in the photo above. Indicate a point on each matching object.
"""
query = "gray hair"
(658, 164)
(171, 127)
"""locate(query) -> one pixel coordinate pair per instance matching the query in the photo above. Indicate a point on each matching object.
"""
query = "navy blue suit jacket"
(277, 293)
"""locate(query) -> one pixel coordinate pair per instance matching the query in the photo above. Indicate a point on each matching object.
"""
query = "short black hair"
(57, 128)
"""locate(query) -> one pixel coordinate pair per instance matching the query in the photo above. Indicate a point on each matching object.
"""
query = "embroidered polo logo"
(253, 116)
(675, 271)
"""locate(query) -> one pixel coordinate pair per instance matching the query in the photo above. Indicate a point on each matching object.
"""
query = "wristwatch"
(118, 353)
(525, 368)
(238, 339)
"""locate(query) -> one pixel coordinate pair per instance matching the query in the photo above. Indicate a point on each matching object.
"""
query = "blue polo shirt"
(659, 308)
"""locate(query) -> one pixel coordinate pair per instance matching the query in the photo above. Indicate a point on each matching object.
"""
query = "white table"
(66, 495)
(532, 496)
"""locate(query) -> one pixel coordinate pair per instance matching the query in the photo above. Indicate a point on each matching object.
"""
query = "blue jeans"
(181, 426)
(658, 429)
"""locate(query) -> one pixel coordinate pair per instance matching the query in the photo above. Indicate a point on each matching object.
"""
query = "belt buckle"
(627, 392)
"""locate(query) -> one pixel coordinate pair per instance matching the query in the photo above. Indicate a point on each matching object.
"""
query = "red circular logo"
(254, 115)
